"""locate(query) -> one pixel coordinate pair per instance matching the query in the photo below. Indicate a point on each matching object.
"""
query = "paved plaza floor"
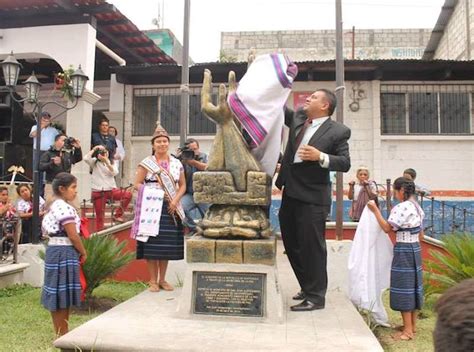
(148, 322)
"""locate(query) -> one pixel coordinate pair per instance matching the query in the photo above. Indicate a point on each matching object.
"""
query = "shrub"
(105, 256)
(449, 268)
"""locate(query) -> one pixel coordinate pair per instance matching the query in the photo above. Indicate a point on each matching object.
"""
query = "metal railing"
(111, 206)
(441, 217)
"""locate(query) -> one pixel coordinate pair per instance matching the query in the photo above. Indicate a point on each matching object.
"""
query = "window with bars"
(426, 109)
(164, 105)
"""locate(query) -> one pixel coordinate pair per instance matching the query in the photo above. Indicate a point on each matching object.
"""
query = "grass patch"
(423, 341)
(27, 326)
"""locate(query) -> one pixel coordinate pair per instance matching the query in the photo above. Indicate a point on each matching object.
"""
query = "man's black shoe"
(299, 296)
(306, 306)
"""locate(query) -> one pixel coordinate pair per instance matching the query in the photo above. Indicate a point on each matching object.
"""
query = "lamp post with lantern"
(11, 71)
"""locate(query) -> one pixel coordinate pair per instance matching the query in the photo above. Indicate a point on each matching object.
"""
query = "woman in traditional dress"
(360, 192)
(406, 278)
(157, 226)
(25, 211)
(65, 252)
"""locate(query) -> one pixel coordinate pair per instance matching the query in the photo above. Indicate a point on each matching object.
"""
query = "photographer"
(193, 160)
(65, 152)
(104, 186)
(104, 138)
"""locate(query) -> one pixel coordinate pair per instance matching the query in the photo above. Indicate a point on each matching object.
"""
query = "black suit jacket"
(308, 181)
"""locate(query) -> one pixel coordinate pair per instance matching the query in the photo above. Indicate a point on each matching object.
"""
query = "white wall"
(442, 162)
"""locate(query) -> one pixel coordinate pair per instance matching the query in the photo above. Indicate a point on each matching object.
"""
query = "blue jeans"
(193, 211)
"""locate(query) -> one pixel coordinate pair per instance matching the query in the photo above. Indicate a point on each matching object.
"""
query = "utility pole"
(185, 77)
(339, 113)
(353, 41)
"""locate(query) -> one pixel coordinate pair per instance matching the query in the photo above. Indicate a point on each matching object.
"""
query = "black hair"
(103, 119)
(59, 136)
(331, 98)
(407, 185)
(410, 172)
(63, 179)
(192, 140)
(19, 187)
(454, 330)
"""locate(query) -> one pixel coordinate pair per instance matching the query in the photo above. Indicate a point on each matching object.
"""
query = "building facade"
(396, 123)
(452, 36)
(301, 45)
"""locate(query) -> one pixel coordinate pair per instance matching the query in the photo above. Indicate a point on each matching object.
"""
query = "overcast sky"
(211, 17)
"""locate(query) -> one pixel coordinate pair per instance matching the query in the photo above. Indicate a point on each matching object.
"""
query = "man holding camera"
(65, 152)
(193, 160)
(103, 185)
(104, 138)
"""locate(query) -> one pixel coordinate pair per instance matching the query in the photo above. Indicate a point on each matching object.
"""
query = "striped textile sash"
(164, 179)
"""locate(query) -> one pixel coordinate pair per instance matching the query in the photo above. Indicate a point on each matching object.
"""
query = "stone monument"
(231, 261)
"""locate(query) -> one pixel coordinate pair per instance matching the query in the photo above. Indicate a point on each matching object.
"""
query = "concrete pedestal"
(240, 262)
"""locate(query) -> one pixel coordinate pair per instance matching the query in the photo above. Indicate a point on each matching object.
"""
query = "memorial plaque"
(228, 293)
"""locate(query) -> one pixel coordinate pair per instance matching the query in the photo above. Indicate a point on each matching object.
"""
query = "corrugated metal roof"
(114, 29)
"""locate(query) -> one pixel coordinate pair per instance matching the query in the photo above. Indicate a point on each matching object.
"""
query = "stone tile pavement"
(148, 322)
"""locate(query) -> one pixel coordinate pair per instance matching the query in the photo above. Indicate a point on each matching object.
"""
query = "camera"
(99, 151)
(68, 143)
(186, 153)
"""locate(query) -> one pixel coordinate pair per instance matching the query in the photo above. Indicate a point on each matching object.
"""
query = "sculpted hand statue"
(229, 151)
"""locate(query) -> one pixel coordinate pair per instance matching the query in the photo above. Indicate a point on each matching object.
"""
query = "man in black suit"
(316, 145)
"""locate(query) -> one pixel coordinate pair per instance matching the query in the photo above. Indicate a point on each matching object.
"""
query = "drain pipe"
(101, 46)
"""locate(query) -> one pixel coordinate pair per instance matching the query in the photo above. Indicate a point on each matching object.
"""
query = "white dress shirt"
(310, 131)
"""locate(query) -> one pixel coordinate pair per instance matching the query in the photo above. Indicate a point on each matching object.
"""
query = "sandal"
(166, 286)
(402, 336)
(154, 287)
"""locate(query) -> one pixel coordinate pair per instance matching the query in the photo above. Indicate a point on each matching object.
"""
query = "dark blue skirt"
(168, 245)
(406, 280)
(62, 288)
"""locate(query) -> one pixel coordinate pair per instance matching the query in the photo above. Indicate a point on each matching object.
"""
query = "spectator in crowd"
(7, 210)
(120, 153)
(360, 192)
(104, 138)
(59, 158)
(454, 330)
(65, 252)
(420, 189)
(104, 187)
(25, 212)
(194, 211)
(48, 133)
(8, 224)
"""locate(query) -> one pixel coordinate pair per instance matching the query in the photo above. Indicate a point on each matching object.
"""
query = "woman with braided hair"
(406, 281)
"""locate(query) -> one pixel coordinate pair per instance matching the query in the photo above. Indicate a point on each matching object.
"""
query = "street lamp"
(11, 71)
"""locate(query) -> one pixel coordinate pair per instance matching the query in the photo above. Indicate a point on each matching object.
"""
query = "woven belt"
(59, 241)
(407, 237)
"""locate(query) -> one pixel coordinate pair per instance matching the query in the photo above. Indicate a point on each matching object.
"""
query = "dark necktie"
(300, 135)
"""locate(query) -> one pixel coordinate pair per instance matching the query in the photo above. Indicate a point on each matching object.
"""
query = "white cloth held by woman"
(369, 266)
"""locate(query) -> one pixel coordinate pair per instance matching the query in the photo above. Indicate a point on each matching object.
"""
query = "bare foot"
(402, 336)
(166, 286)
(401, 327)
(153, 287)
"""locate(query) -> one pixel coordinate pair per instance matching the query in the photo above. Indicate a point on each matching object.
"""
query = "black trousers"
(303, 227)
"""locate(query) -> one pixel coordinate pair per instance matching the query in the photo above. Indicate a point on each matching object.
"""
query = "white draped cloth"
(258, 103)
(369, 266)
